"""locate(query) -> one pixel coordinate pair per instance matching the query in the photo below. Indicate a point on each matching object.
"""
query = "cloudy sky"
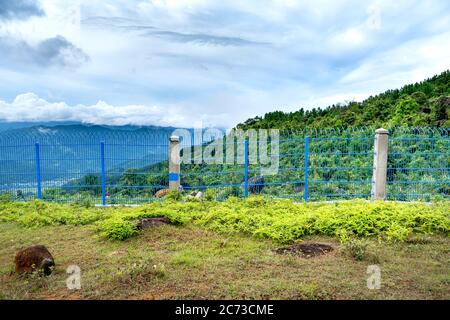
(209, 62)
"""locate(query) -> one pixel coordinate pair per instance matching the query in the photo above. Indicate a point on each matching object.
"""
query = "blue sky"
(209, 63)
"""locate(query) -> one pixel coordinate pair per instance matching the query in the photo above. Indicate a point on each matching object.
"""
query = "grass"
(189, 261)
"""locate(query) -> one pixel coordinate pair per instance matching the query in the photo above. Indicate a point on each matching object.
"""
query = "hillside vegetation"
(426, 103)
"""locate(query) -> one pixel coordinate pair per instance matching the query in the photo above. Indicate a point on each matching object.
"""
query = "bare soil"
(306, 250)
(152, 222)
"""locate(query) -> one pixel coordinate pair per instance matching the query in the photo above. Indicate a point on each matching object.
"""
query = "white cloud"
(219, 61)
(410, 62)
(349, 39)
(228, 110)
(30, 107)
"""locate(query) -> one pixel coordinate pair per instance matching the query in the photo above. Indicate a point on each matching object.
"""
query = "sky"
(209, 63)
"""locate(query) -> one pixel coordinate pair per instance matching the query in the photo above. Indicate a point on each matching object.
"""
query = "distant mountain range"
(5, 126)
(42, 130)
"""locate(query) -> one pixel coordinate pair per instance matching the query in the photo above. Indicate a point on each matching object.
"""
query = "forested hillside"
(421, 104)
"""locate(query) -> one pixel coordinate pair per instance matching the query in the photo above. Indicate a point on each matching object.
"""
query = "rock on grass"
(34, 258)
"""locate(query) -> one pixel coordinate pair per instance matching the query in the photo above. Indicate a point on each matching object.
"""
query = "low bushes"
(356, 248)
(116, 228)
(278, 219)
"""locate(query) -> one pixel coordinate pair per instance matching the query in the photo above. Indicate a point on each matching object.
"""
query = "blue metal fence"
(327, 165)
(306, 174)
(313, 165)
(418, 164)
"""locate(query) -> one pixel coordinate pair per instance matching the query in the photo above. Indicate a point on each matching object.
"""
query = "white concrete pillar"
(380, 164)
(174, 162)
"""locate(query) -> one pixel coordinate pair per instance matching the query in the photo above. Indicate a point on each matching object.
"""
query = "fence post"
(38, 171)
(174, 162)
(380, 164)
(306, 186)
(246, 168)
(102, 156)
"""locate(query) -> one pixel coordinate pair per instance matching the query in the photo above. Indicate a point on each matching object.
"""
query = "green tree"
(91, 183)
(406, 111)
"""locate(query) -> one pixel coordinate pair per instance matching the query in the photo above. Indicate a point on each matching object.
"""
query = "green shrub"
(210, 195)
(278, 219)
(174, 195)
(116, 228)
(356, 248)
(397, 232)
(6, 197)
(83, 203)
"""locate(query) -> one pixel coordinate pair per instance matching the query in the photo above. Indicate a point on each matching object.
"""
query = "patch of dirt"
(306, 250)
(118, 253)
(151, 222)
(419, 240)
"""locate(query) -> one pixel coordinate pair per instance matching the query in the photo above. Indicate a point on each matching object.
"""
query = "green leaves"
(279, 219)
(116, 228)
(286, 221)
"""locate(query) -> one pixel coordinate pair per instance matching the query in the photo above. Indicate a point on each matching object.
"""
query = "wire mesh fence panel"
(70, 172)
(129, 167)
(340, 168)
(217, 166)
(135, 172)
(284, 178)
(18, 175)
(419, 165)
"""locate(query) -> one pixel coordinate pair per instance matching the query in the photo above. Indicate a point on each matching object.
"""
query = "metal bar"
(246, 168)
(102, 156)
(305, 194)
(38, 171)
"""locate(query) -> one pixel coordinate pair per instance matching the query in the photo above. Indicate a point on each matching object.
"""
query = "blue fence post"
(38, 171)
(102, 156)
(306, 191)
(246, 168)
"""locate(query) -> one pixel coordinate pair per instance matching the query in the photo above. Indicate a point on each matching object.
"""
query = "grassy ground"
(175, 262)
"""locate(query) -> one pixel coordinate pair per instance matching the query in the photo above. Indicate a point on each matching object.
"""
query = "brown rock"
(162, 193)
(151, 222)
(34, 258)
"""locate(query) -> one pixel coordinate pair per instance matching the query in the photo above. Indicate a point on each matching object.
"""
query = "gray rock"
(256, 184)
(199, 195)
